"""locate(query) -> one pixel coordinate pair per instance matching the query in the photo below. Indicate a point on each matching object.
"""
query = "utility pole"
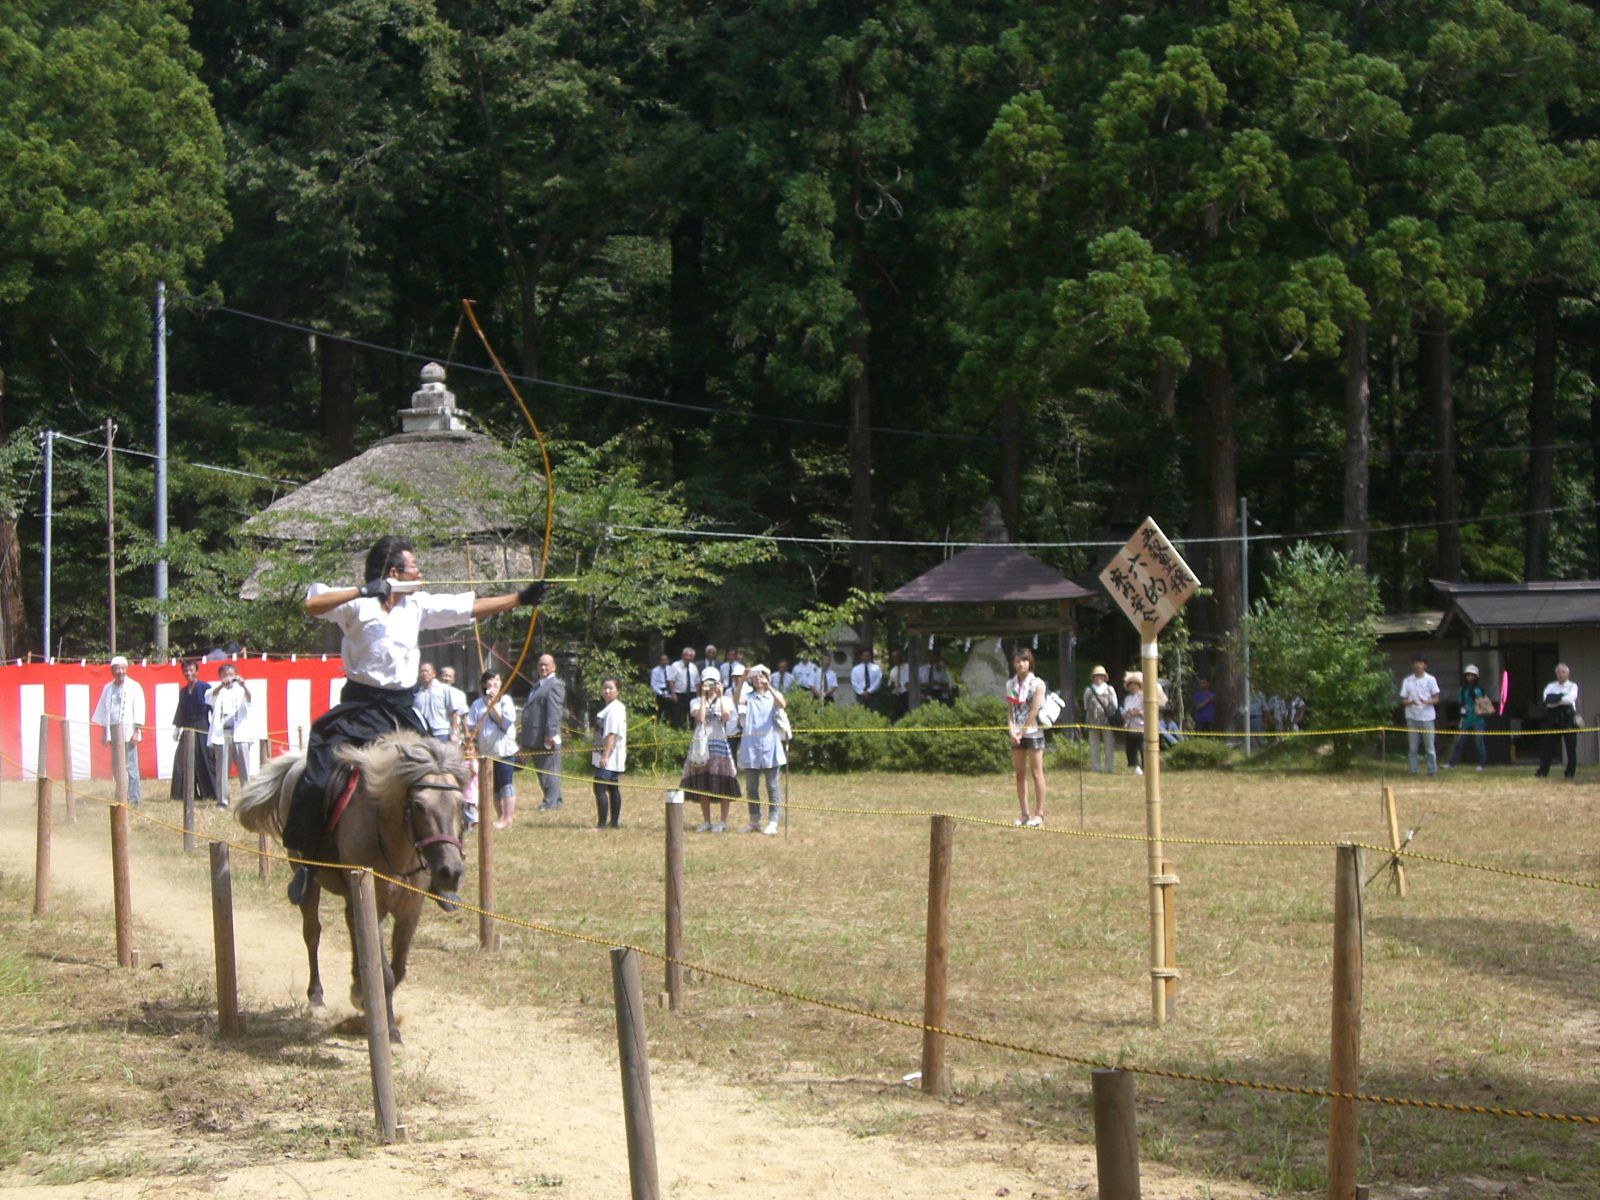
(48, 437)
(1244, 592)
(111, 533)
(161, 465)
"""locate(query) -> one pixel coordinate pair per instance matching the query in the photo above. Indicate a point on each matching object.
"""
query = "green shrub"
(818, 747)
(951, 746)
(1199, 754)
(1065, 754)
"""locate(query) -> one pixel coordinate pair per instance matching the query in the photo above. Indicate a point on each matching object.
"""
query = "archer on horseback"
(382, 621)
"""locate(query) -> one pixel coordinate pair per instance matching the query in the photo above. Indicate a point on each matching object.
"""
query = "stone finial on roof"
(433, 406)
(991, 528)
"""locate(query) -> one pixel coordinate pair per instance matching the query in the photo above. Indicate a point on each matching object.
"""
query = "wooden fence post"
(369, 954)
(66, 771)
(264, 864)
(1397, 867)
(488, 928)
(191, 757)
(674, 934)
(941, 845)
(1116, 1135)
(121, 887)
(222, 933)
(633, 1051)
(41, 850)
(1345, 1057)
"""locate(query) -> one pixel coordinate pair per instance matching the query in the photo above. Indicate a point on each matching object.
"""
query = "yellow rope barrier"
(905, 1022)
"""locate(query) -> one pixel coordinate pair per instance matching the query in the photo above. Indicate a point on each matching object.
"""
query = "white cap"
(119, 661)
(738, 669)
(1469, 669)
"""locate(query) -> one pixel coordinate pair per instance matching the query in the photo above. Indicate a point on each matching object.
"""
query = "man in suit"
(541, 730)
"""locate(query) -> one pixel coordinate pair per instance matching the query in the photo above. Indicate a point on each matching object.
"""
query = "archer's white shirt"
(122, 706)
(380, 648)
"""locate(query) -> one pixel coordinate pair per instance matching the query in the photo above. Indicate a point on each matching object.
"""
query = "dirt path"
(545, 1098)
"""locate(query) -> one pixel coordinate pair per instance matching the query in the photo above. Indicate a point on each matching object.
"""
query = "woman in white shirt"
(1133, 717)
(1024, 694)
(713, 717)
(761, 752)
(610, 756)
(493, 720)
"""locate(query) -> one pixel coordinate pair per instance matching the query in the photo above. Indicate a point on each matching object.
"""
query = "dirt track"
(545, 1098)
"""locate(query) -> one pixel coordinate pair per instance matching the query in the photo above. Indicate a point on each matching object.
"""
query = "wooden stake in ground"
(41, 850)
(488, 930)
(1345, 1047)
(1169, 915)
(674, 933)
(634, 1055)
(941, 847)
(188, 747)
(1116, 1135)
(66, 771)
(263, 863)
(1397, 868)
(222, 934)
(121, 886)
(369, 955)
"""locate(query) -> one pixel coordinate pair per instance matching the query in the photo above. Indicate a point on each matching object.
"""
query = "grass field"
(1479, 988)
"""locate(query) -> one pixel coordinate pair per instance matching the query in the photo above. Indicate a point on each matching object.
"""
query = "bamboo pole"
(1345, 1047)
(66, 771)
(633, 1052)
(41, 851)
(488, 930)
(1169, 916)
(1116, 1135)
(369, 954)
(674, 875)
(935, 994)
(1150, 668)
(228, 1023)
(121, 887)
(1397, 868)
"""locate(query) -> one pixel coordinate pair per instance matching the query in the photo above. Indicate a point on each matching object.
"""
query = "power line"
(579, 389)
(62, 437)
(730, 535)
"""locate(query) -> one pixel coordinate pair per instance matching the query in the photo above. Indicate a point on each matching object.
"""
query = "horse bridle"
(417, 844)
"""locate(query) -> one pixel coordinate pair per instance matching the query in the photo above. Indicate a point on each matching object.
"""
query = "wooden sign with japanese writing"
(1148, 578)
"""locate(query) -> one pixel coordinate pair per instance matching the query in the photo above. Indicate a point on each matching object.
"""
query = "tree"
(1315, 635)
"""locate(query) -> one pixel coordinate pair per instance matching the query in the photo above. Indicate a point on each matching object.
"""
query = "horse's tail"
(264, 805)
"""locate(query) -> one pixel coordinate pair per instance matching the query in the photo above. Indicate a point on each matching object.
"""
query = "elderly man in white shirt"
(228, 734)
(382, 621)
(120, 712)
(1419, 693)
(1560, 703)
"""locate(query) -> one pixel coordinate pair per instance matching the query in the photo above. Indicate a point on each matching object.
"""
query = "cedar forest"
(883, 261)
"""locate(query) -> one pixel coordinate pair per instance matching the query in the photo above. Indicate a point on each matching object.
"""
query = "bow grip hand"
(377, 588)
(534, 593)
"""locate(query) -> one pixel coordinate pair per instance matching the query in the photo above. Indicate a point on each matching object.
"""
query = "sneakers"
(703, 827)
(1480, 768)
(1138, 770)
(548, 805)
(772, 829)
(752, 827)
(719, 827)
(1035, 822)
(1019, 822)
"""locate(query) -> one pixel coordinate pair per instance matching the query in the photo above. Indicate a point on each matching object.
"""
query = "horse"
(403, 818)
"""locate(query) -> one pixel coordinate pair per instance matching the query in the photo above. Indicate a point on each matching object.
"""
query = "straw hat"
(1133, 677)
(1097, 671)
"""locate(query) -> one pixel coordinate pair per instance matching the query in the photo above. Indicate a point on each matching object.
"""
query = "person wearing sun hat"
(1102, 714)
(1472, 717)
(708, 769)
(120, 713)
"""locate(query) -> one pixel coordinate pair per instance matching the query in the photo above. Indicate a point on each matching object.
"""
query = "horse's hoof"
(394, 1037)
(315, 1003)
(449, 901)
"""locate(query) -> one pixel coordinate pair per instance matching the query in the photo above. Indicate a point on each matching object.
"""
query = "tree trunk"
(858, 395)
(1357, 443)
(338, 364)
(13, 613)
(687, 336)
(1594, 445)
(1541, 436)
(1011, 463)
(1217, 384)
(1442, 404)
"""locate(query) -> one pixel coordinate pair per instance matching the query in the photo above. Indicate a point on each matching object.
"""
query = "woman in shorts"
(1024, 694)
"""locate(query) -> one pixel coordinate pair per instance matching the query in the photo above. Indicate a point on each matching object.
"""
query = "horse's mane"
(394, 762)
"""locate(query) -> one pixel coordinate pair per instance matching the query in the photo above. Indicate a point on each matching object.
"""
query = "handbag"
(1483, 706)
(1050, 709)
(785, 731)
(700, 746)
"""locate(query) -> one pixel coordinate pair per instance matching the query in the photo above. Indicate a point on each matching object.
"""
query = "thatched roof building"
(459, 495)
